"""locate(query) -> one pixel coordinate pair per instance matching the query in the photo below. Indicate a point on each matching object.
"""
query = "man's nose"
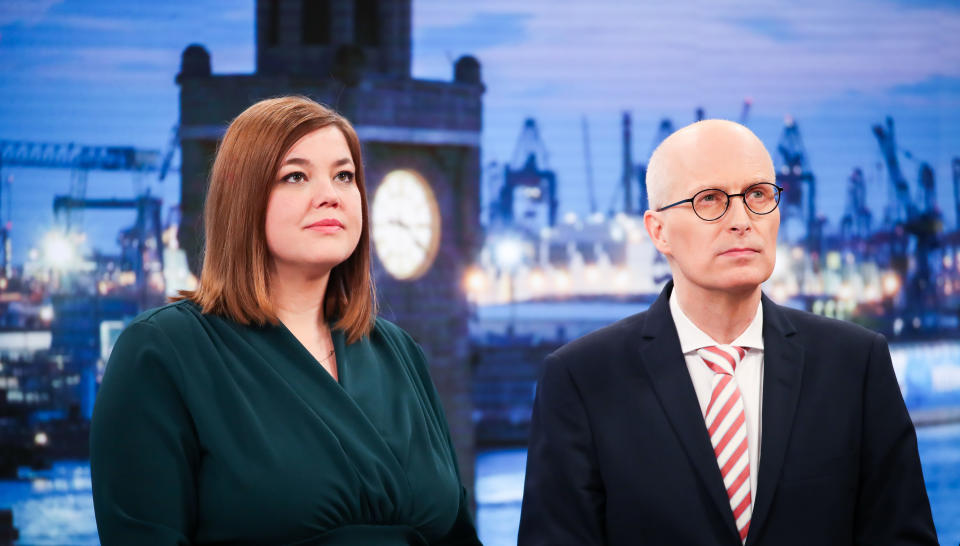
(738, 215)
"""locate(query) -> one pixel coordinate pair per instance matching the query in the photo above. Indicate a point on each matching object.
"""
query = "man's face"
(737, 252)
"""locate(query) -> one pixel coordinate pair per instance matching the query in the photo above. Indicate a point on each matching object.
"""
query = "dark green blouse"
(206, 431)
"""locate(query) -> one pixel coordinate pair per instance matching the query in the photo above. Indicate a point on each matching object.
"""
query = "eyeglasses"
(711, 204)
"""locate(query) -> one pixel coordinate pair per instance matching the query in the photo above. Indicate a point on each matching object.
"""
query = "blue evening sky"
(102, 72)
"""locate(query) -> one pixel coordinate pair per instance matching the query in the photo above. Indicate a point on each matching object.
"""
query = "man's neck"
(722, 315)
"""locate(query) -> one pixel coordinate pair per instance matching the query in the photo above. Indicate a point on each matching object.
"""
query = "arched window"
(315, 22)
(366, 23)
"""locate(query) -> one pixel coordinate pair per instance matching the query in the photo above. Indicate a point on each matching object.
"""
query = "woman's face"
(314, 213)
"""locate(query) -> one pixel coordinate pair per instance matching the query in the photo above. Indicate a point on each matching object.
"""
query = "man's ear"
(653, 221)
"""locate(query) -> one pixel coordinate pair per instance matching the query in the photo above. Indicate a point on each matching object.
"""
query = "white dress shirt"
(748, 375)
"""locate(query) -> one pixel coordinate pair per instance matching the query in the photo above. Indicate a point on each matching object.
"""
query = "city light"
(40, 438)
(561, 281)
(537, 281)
(155, 281)
(508, 253)
(616, 232)
(897, 326)
(833, 260)
(59, 251)
(475, 281)
(780, 293)
(891, 284)
(622, 279)
(127, 278)
(845, 292)
(591, 274)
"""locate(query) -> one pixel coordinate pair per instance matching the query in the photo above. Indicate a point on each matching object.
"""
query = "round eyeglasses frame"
(742, 195)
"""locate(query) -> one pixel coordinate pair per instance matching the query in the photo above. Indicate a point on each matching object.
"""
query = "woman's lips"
(327, 225)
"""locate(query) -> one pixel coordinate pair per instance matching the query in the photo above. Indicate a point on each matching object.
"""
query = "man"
(717, 416)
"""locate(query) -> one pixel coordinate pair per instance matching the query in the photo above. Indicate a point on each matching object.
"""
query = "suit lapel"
(782, 372)
(663, 361)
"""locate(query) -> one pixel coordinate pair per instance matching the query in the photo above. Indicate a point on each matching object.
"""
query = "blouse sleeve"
(463, 531)
(143, 447)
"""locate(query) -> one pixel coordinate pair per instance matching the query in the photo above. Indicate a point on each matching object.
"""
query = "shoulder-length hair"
(235, 278)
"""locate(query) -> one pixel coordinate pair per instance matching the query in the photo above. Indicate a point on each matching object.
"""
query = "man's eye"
(709, 197)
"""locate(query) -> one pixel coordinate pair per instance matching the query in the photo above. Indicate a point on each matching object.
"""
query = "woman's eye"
(295, 177)
(345, 176)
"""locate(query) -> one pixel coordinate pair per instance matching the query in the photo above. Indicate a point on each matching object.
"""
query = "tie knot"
(722, 358)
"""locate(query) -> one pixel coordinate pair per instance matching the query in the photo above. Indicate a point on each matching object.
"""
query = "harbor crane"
(955, 165)
(81, 159)
(528, 183)
(857, 218)
(799, 184)
(924, 224)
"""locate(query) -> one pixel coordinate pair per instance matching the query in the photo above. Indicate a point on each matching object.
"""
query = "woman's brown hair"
(234, 280)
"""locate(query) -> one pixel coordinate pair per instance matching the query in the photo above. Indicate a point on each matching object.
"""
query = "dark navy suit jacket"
(619, 453)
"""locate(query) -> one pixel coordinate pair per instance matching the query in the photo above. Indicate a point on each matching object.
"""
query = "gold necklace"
(326, 358)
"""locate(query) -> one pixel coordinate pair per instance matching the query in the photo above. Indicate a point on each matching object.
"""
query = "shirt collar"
(693, 338)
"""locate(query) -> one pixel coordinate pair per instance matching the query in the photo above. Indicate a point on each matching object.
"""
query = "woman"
(270, 405)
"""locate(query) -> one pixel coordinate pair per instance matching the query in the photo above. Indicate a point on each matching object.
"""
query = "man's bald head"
(735, 252)
(691, 151)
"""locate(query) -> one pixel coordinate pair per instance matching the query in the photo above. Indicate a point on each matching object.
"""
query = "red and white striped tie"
(726, 423)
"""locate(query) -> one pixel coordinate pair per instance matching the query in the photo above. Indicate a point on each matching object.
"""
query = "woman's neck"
(298, 296)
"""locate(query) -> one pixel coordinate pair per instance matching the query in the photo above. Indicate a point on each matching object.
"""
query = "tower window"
(315, 21)
(366, 23)
(273, 22)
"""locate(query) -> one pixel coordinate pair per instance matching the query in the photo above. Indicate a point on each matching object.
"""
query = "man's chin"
(742, 282)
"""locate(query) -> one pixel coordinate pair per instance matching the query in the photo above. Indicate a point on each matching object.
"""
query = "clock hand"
(404, 225)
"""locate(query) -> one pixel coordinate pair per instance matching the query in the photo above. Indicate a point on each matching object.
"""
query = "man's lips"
(740, 251)
(327, 224)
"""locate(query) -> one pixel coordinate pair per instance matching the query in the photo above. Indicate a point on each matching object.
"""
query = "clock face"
(406, 224)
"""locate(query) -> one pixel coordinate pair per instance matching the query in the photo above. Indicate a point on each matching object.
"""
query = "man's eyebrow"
(717, 185)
